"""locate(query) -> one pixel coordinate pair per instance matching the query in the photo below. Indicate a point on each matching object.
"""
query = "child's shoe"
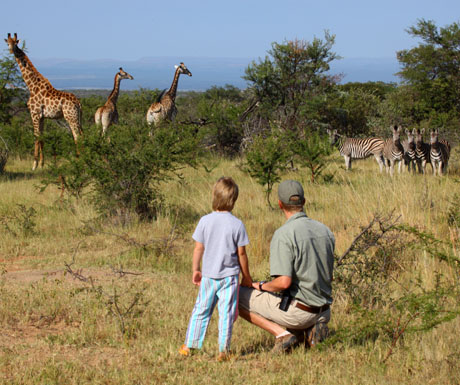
(185, 350)
(223, 356)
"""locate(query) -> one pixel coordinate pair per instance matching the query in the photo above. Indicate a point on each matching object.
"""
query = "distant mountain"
(157, 72)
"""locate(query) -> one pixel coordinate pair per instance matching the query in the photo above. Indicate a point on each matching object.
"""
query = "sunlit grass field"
(123, 321)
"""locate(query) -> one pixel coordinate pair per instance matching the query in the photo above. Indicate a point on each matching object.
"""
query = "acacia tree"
(11, 85)
(219, 109)
(287, 84)
(432, 68)
(266, 159)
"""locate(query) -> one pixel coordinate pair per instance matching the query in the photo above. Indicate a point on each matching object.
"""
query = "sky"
(134, 29)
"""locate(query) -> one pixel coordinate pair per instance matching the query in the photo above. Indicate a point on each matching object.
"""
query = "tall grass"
(57, 329)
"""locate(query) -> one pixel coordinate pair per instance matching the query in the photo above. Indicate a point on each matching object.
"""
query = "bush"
(220, 109)
(19, 137)
(3, 154)
(310, 149)
(266, 159)
(121, 172)
(386, 302)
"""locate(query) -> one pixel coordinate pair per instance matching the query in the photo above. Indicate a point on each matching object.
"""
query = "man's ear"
(280, 204)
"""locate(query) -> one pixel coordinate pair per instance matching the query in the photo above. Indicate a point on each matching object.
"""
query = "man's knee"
(244, 297)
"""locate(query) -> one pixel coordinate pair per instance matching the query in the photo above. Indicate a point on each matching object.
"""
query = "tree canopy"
(292, 74)
(433, 67)
(11, 85)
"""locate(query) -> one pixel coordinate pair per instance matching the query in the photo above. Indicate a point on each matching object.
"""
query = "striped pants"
(224, 292)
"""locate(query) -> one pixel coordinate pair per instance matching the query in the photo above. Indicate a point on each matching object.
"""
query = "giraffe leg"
(37, 122)
(76, 131)
(106, 120)
(72, 115)
(97, 116)
(42, 159)
(36, 152)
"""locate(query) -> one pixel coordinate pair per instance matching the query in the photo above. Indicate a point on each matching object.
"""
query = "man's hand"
(196, 278)
(280, 283)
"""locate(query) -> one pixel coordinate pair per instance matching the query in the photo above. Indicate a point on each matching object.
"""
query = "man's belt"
(310, 309)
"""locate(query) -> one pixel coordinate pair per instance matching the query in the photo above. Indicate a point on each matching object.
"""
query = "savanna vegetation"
(95, 250)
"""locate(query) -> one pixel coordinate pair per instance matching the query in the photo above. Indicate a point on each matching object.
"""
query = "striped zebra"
(356, 148)
(439, 153)
(422, 151)
(393, 151)
(410, 159)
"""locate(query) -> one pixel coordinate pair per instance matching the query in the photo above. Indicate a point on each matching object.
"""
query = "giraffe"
(165, 107)
(108, 114)
(45, 101)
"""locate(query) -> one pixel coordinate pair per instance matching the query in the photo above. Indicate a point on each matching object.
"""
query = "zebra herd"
(413, 151)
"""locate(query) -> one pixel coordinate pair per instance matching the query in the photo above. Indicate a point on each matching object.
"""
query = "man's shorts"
(266, 305)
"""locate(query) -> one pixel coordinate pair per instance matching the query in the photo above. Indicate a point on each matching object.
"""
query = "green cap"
(289, 188)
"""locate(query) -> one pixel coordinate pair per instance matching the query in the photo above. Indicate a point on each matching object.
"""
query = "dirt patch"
(29, 334)
(30, 276)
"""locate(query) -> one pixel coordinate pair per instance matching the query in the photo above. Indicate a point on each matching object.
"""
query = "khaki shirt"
(303, 249)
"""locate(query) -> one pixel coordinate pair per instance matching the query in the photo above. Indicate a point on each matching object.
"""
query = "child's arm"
(244, 266)
(197, 255)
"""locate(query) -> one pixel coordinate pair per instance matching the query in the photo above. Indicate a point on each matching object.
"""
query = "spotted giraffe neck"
(30, 74)
(113, 97)
(173, 90)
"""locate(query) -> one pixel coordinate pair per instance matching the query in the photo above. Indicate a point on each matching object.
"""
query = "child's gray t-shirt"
(221, 233)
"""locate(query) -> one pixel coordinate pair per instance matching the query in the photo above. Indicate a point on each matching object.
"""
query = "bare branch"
(385, 225)
(121, 273)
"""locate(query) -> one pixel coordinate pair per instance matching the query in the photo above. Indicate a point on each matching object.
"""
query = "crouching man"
(295, 305)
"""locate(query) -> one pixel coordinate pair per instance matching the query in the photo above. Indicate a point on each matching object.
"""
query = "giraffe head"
(183, 69)
(12, 42)
(124, 75)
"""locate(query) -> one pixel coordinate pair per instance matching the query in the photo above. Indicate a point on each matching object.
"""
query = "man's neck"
(289, 214)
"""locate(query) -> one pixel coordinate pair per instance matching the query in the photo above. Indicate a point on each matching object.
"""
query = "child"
(220, 240)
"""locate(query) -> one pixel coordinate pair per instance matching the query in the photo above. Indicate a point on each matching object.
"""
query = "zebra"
(409, 150)
(356, 148)
(393, 151)
(439, 153)
(422, 151)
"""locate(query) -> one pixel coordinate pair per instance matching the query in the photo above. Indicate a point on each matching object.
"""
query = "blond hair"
(224, 194)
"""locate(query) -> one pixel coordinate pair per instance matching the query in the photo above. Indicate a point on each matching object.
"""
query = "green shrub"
(266, 159)
(310, 149)
(3, 154)
(18, 136)
(121, 172)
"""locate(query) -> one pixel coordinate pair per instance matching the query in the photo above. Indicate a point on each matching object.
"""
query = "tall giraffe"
(165, 107)
(45, 101)
(108, 114)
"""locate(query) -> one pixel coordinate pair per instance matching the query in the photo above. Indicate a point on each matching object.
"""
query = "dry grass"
(59, 330)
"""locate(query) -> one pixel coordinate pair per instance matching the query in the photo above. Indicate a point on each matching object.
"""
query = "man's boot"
(316, 334)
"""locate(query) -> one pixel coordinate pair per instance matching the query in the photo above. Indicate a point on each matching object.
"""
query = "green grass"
(60, 330)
